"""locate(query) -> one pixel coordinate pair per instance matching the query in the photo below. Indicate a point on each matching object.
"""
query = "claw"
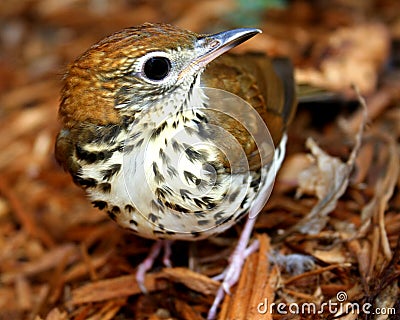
(219, 277)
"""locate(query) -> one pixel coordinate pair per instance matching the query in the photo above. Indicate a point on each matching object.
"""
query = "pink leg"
(236, 261)
(149, 261)
(167, 253)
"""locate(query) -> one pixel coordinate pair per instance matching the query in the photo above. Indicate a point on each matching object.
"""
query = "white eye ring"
(155, 67)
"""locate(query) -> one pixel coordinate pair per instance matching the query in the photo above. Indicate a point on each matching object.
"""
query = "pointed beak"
(219, 43)
(210, 47)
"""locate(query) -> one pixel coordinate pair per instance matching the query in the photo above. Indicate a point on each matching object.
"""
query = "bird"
(165, 131)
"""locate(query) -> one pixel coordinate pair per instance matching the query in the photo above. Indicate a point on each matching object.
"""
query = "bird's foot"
(147, 263)
(231, 274)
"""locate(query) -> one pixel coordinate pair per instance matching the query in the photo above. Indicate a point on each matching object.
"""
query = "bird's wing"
(266, 84)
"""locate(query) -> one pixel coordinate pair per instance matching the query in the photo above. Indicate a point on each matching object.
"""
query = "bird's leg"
(167, 253)
(232, 272)
(147, 263)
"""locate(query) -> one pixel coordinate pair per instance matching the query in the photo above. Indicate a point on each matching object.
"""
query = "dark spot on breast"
(201, 117)
(165, 159)
(175, 124)
(159, 193)
(133, 222)
(139, 143)
(179, 208)
(157, 204)
(255, 183)
(157, 131)
(158, 177)
(194, 155)
(115, 210)
(107, 174)
(211, 205)
(243, 202)
(190, 177)
(199, 202)
(185, 194)
(112, 215)
(168, 204)
(176, 146)
(128, 149)
(218, 215)
(167, 189)
(171, 232)
(92, 156)
(153, 218)
(221, 221)
(105, 187)
(127, 120)
(87, 156)
(86, 183)
(129, 208)
(203, 222)
(233, 196)
(134, 136)
(99, 204)
(199, 214)
(207, 200)
(172, 172)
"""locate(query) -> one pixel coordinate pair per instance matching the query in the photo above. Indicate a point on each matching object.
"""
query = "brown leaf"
(350, 55)
(327, 178)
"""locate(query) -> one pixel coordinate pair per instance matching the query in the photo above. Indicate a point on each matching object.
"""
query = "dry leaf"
(288, 176)
(324, 176)
(350, 56)
(327, 178)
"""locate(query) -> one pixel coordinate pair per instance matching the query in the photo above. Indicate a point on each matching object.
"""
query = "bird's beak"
(212, 46)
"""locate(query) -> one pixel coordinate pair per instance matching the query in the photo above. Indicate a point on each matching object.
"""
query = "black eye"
(157, 68)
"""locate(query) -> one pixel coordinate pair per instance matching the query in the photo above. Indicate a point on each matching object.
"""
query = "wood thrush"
(149, 131)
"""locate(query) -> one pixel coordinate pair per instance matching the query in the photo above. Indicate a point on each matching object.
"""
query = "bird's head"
(127, 71)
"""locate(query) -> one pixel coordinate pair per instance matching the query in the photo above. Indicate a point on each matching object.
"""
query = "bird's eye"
(157, 68)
